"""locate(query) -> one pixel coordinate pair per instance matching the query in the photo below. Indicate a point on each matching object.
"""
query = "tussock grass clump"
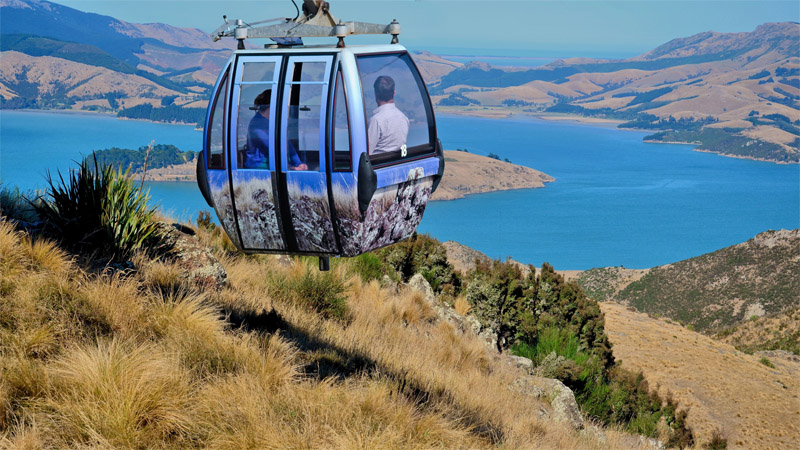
(306, 285)
(120, 394)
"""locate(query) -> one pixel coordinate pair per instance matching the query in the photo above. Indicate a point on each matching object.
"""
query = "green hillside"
(756, 278)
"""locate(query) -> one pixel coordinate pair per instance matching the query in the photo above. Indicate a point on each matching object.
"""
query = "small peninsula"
(465, 173)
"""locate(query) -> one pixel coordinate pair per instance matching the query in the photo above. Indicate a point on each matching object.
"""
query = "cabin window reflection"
(398, 110)
(305, 104)
(341, 129)
(216, 135)
(258, 71)
(253, 140)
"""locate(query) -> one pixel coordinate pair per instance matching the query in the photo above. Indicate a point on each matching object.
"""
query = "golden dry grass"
(144, 361)
(754, 406)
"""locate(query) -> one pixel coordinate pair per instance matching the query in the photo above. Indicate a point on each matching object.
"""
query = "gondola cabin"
(328, 151)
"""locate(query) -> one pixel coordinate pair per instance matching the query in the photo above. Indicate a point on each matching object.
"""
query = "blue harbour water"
(616, 201)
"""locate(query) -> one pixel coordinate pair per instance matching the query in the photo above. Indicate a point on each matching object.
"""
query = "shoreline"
(495, 113)
(138, 176)
(515, 114)
(80, 112)
(463, 180)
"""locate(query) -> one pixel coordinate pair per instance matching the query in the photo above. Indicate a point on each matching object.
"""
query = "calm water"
(616, 201)
(516, 57)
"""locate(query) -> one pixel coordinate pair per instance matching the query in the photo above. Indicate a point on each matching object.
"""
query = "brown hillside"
(78, 80)
(81, 83)
(466, 174)
(433, 67)
(753, 405)
(755, 278)
(723, 77)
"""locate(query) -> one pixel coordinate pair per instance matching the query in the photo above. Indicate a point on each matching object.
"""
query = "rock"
(565, 408)
(200, 267)
(445, 312)
(561, 398)
(420, 284)
(520, 362)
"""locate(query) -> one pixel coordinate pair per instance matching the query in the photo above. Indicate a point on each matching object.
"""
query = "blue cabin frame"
(339, 201)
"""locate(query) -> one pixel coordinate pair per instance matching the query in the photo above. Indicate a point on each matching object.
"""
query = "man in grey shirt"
(388, 127)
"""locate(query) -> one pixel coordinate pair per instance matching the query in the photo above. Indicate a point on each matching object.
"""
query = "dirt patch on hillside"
(754, 405)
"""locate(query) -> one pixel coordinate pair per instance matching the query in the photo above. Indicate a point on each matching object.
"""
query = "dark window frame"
(223, 86)
(418, 151)
(339, 77)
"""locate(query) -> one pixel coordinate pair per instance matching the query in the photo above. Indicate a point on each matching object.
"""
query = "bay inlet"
(617, 200)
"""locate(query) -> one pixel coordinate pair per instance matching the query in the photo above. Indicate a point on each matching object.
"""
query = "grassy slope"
(142, 360)
(753, 405)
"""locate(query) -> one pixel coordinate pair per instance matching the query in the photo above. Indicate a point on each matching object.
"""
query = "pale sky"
(573, 28)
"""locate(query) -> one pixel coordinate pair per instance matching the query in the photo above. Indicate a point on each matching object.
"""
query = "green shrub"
(424, 255)
(717, 442)
(99, 209)
(322, 291)
(765, 361)
(368, 266)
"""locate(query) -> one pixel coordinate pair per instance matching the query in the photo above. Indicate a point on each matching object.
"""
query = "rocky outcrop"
(200, 268)
(464, 324)
(562, 400)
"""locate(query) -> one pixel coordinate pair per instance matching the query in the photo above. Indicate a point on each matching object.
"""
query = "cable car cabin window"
(341, 129)
(399, 114)
(305, 103)
(258, 71)
(255, 116)
(216, 137)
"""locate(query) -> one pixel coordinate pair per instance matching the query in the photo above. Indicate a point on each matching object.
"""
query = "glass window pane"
(398, 109)
(305, 102)
(253, 138)
(341, 131)
(258, 71)
(309, 71)
(216, 150)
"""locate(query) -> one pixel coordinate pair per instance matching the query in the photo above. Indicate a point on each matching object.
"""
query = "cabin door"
(303, 165)
(253, 164)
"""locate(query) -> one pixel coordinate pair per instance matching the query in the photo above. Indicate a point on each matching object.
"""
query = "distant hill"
(58, 57)
(760, 277)
(736, 94)
(131, 43)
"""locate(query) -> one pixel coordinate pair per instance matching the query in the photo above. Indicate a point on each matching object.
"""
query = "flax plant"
(98, 208)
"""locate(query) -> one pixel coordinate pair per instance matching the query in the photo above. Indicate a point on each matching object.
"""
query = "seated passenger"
(387, 130)
(257, 155)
